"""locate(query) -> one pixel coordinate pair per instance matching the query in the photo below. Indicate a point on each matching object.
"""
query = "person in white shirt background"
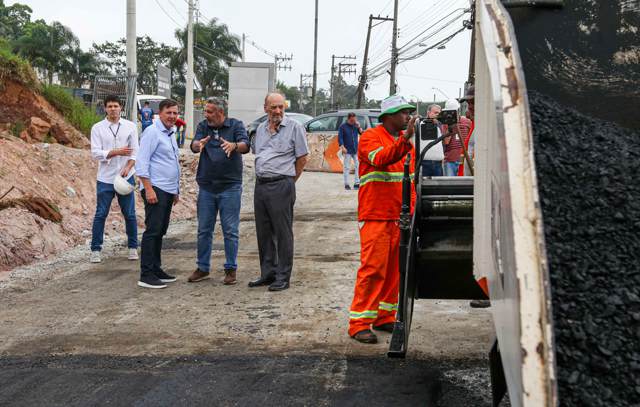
(432, 161)
(114, 144)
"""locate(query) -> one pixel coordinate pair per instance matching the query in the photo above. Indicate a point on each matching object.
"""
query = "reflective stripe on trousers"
(382, 176)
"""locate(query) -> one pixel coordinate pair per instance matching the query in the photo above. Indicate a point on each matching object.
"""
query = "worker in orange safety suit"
(381, 151)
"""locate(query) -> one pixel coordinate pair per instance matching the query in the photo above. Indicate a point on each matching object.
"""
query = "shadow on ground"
(232, 381)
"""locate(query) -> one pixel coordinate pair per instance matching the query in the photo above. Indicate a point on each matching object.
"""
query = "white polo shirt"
(435, 153)
(107, 136)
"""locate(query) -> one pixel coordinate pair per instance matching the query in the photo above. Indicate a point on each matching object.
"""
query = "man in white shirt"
(114, 144)
(432, 161)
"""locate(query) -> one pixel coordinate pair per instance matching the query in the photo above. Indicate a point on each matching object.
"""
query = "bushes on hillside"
(15, 68)
(74, 111)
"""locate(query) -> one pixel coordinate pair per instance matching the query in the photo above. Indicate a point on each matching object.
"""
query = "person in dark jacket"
(221, 141)
(348, 134)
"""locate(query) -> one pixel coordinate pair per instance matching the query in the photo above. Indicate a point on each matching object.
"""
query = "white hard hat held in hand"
(121, 185)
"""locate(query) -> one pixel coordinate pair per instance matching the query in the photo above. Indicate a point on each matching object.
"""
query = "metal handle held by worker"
(405, 229)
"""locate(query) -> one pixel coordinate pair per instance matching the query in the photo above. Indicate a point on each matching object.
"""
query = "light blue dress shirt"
(158, 158)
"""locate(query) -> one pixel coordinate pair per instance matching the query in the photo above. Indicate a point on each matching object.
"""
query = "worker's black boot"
(388, 327)
(366, 336)
(480, 304)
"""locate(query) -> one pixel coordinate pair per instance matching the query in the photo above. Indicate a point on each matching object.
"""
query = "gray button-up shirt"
(276, 154)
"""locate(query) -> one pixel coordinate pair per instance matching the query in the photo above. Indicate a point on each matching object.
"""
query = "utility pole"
(394, 50)
(281, 67)
(244, 37)
(303, 78)
(333, 71)
(343, 68)
(363, 76)
(300, 95)
(331, 81)
(472, 57)
(362, 80)
(315, 62)
(188, 99)
(132, 66)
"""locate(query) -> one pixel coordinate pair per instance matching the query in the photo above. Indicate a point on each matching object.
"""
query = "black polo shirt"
(216, 171)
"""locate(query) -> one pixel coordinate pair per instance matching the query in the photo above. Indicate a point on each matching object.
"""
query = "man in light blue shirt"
(158, 169)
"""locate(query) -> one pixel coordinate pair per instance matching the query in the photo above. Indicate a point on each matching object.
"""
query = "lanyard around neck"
(115, 135)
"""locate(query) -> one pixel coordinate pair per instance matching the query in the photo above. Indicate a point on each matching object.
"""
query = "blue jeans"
(145, 125)
(451, 169)
(431, 168)
(346, 167)
(105, 193)
(227, 203)
(180, 137)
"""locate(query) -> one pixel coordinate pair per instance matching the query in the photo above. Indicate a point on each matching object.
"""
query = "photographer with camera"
(432, 162)
(453, 152)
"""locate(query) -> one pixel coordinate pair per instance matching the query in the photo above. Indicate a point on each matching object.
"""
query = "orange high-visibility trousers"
(375, 300)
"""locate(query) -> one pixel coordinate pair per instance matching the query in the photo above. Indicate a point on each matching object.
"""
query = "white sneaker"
(95, 257)
(133, 254)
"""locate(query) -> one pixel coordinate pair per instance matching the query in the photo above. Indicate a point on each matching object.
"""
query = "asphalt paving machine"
(582, 54)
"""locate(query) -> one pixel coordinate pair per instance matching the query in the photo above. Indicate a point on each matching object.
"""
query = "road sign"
(164, 81)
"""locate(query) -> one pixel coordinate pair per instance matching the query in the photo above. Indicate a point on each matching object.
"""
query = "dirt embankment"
(50, 180)
(34, 119)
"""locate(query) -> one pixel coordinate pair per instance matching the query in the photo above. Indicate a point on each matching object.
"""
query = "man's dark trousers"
(156, 221)
(273, 204)
(431, 168)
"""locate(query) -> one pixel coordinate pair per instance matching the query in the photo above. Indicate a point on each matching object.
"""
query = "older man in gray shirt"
(281, 152)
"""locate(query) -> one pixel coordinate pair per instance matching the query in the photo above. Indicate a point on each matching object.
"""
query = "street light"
(443, 94)
(417, 103)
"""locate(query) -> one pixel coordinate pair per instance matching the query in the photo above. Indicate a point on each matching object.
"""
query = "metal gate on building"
(123, 86)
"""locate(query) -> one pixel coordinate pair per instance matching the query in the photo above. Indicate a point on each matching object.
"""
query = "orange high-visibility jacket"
(381, 159)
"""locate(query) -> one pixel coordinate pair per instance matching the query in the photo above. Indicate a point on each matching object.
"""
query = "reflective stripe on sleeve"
(372, 155)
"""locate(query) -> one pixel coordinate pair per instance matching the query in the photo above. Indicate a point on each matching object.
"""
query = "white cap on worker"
(394, 104)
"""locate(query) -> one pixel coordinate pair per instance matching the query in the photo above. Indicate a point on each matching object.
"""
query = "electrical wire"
(178, 12)
(437, 44)
(380, 67)
(434, 24)
(431, 13)
(427, 78)
(167, 14)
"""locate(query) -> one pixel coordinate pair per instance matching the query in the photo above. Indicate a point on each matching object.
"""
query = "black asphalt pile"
(589, 184)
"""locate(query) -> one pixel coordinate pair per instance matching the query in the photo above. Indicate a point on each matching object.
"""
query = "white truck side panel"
(248, 85)
(508, 234)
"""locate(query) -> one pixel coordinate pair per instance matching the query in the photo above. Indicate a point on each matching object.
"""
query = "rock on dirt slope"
(40, 119)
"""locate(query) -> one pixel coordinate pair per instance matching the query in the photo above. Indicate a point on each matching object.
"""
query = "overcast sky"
(287, 26)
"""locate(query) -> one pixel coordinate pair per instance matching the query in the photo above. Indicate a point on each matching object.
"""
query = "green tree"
(292, 94)
(150, 54)
(345, 95)
(85, 66)
(214, 50)
(49, 48)
(13, 20)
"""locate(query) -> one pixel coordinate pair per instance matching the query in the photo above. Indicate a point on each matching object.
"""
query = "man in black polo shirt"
(221, 141)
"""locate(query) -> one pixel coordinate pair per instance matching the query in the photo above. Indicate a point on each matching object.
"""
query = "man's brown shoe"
(366, 336)
(229, 277)
(198, 275)
(388, 327)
